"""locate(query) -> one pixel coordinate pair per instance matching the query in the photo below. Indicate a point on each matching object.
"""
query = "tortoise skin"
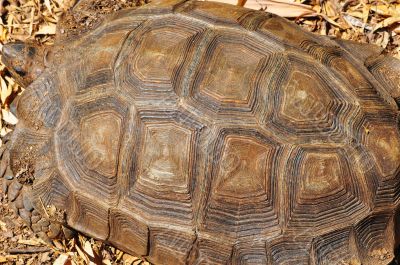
(203, 133)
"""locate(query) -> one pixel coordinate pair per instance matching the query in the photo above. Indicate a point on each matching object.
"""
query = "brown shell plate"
(203, 133)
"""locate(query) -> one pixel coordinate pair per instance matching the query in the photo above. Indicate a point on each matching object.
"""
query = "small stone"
(27, 203)
(54, 230)
(8, 234)
(35, 219)
(68, 233)
(15, 209)
(25, 215)
(44, 223)
(6, 183)
(19, 203)
(8, 174)
(13, 190)
(36, 228)
(45, 238)
(35, 213)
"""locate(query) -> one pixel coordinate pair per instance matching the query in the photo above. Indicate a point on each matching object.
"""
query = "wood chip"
(29, 250)
(31, 242)
(49, 29)
(9, 117)
(62, 260)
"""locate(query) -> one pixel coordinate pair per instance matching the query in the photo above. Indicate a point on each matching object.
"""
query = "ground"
(368, 21)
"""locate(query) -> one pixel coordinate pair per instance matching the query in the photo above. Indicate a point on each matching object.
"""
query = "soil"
(87, 14)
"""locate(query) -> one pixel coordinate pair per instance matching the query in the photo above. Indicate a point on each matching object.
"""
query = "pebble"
(27, 203)
(25, 215)
(13, 190)
(19, 203)
(54, 230)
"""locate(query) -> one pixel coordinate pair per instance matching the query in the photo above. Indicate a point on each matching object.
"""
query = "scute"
(102, 132)
(243, 193)
(189, 135)
(229, 74)
(150, 63)
(323, 191)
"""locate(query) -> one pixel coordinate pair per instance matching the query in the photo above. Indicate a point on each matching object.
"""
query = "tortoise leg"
(18, 195)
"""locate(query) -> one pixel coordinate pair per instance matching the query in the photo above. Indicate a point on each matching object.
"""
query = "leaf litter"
(366, 21)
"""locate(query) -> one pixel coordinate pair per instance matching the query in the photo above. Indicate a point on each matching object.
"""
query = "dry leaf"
(355, 22)
(387, 10)
(89, 251)
(30, 242)
(49, 29)
(282, 8)
(9, 117)
(48, 5)
(5, 90)
(81, 253)
(4, 131)
(85, 255)
(3, 226)
(61, 260)
(386, 22)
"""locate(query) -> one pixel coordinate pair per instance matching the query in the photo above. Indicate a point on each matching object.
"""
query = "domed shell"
(199, 132)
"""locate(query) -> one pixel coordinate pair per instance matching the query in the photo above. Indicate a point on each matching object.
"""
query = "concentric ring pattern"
(202, 133)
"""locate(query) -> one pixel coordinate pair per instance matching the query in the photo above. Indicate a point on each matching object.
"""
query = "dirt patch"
(87, 14)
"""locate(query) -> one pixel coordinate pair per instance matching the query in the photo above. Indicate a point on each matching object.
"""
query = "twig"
(28, 250)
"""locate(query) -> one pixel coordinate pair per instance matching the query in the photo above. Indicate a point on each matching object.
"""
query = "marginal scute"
(213, 12)
(351, 75)
(41, 104)
(337, 246)
(284, 33)
(385, 70)
(168, 247)
(128, 233)
(375, 236)
(102, 46)
(88, 215)
(206, 251)
(51, 192)
(249, 253)
(287, 250)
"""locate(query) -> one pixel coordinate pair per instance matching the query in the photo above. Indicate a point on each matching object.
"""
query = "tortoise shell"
(199, 132)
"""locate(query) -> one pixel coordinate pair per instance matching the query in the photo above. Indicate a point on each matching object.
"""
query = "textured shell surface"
(199, 132)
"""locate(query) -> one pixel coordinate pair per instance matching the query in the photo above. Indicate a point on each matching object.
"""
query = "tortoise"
(191, 132)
